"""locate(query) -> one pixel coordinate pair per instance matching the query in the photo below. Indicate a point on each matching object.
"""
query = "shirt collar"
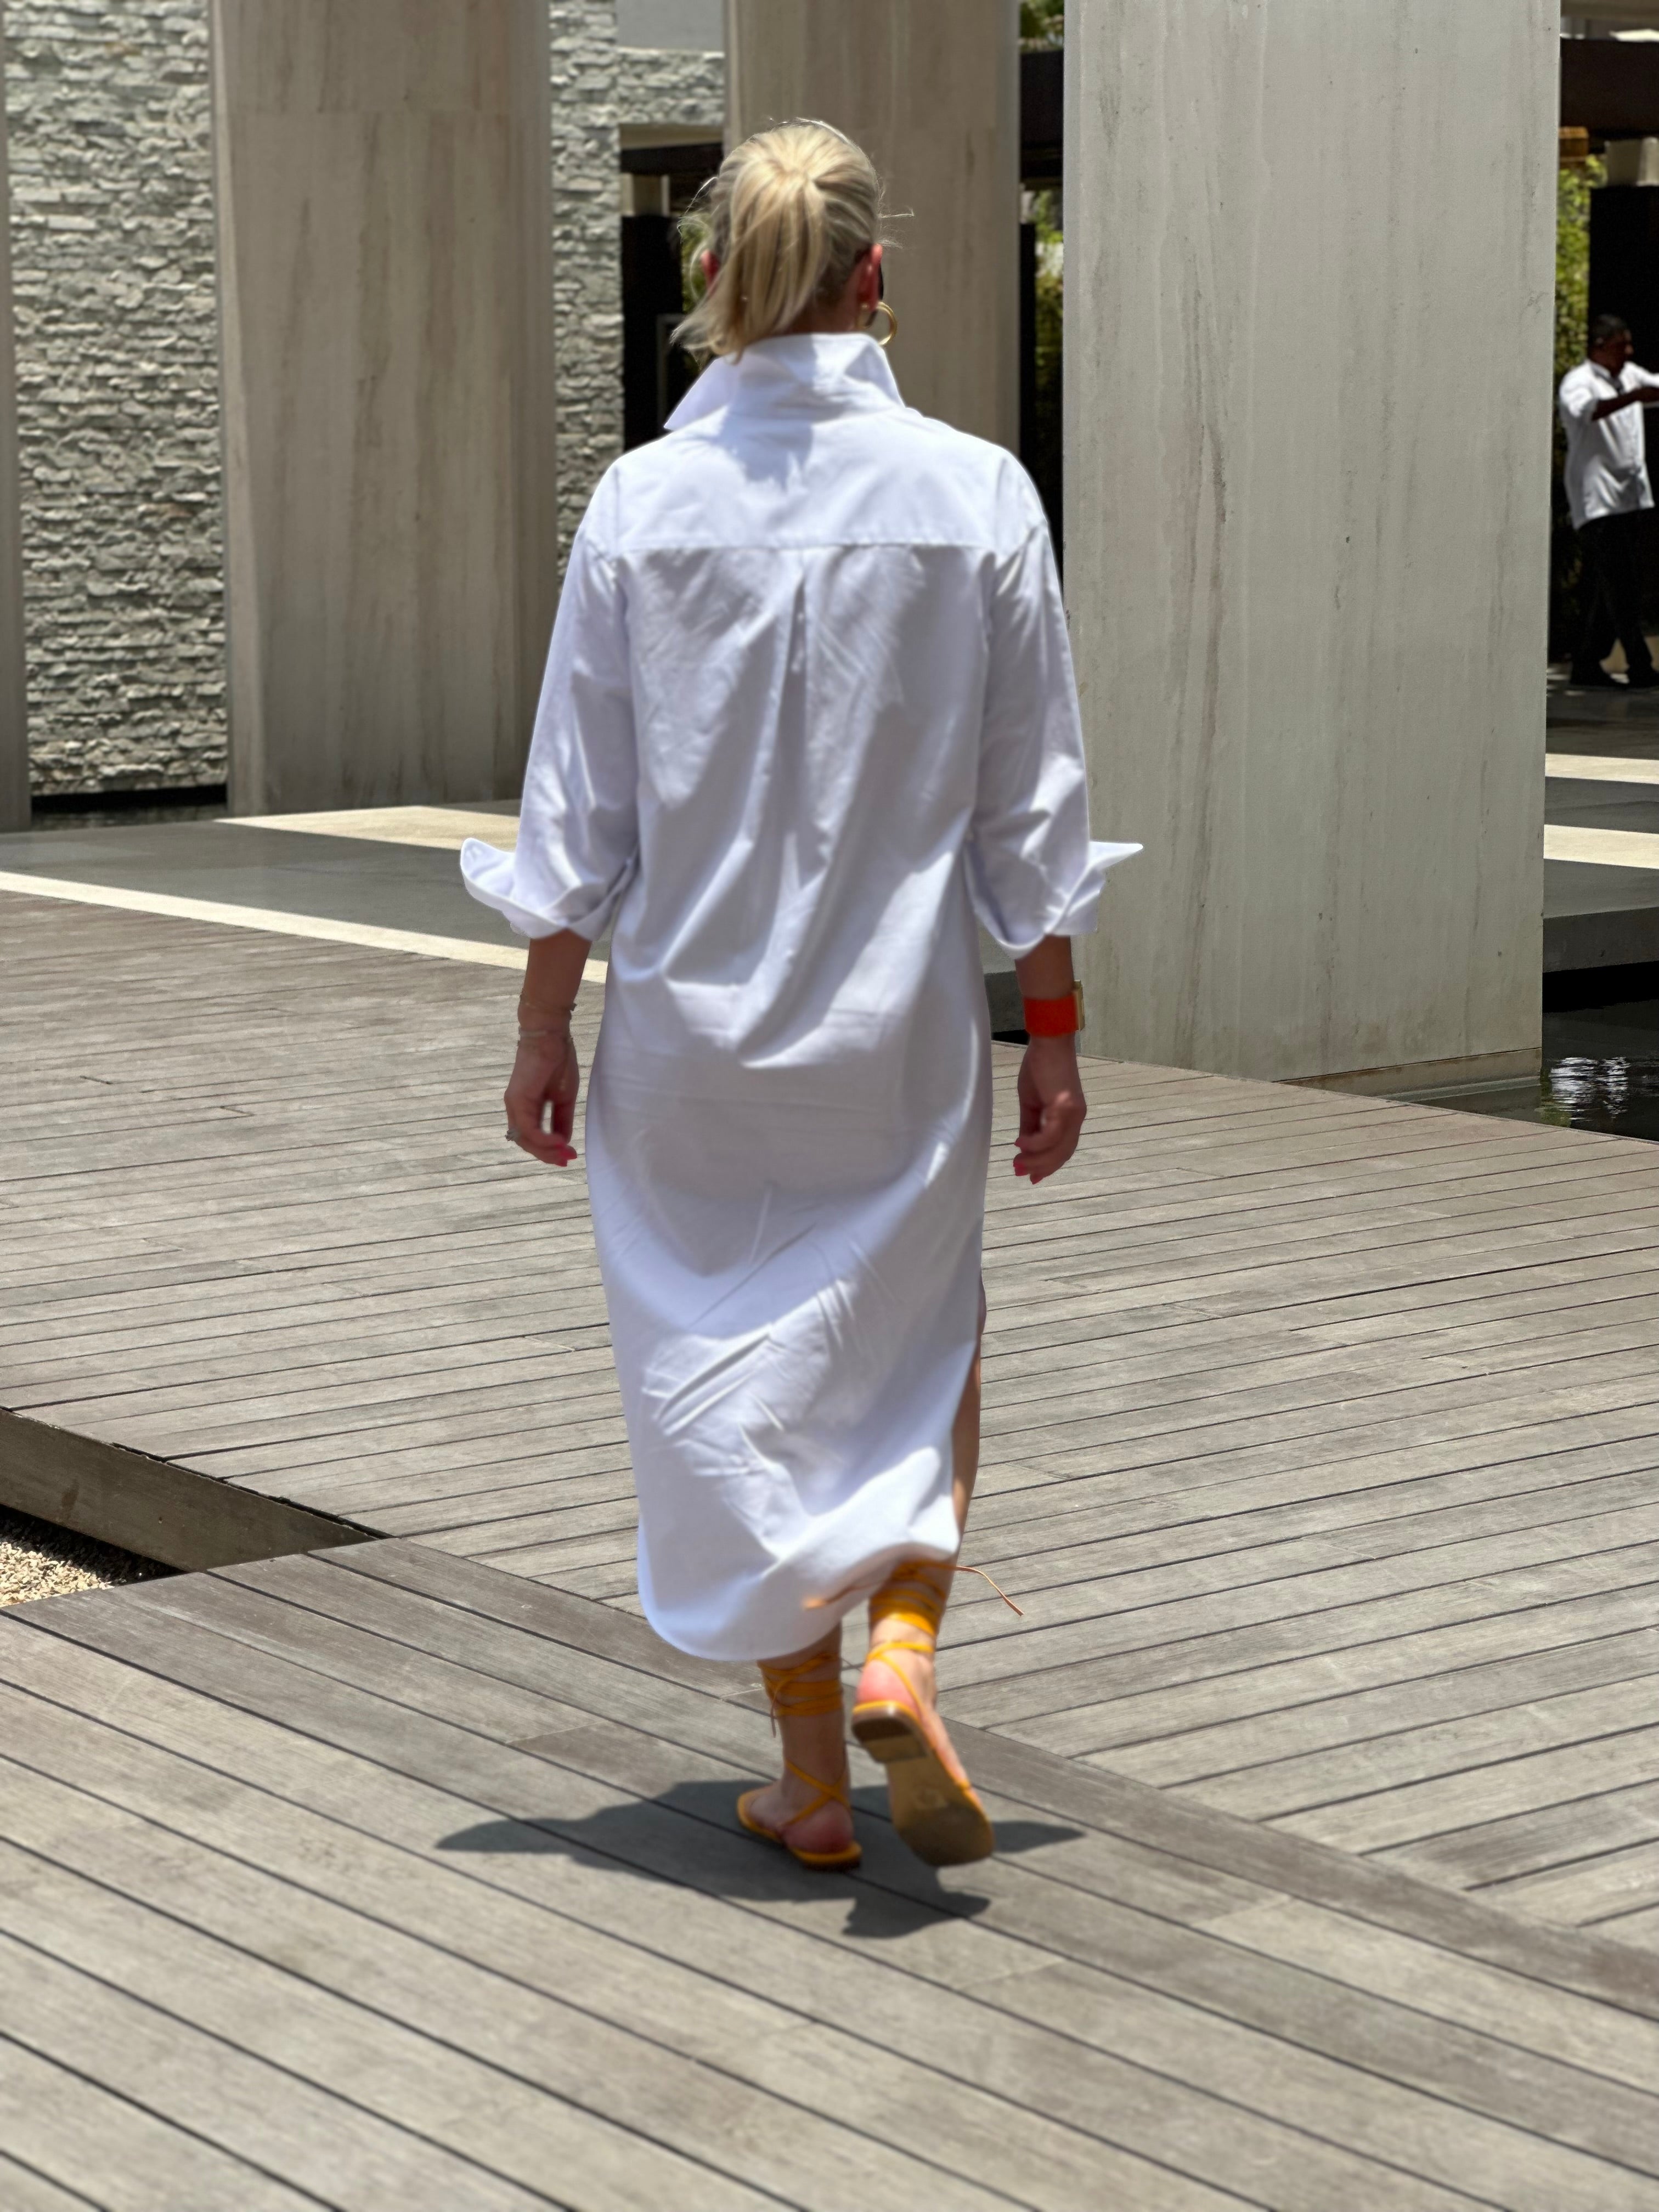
(828, 368)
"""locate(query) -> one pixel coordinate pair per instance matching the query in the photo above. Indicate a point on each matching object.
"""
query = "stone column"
(930, 88)
(384, 223)
(14, 701)
(1309, 280)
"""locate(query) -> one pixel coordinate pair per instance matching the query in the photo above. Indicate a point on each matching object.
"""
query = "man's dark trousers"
(1613, 607)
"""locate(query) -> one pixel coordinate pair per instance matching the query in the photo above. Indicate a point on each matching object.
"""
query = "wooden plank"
(110, 2153)
(1161, 1609)
(1574, 1774)
(1424, 1751)
(1186, 1255)
(1357, 1951)
(154, 1507)
(293, 1324)
(24, 2190)
(369, 1486)
(481, 2074)
(1257, 1740)
(1014, 1695)
(491, 1441)
(352, 1343)
(1255, 1547)
(1383, 2191)
(1369, 1890)
(362, 1389)
(1171, 1363)
(609, 1491)
(1112, 1803)
(1398, 1310)
(251, 2111)
(1490, 1850)
(1315, 1425)
(1106, 2100)
(538, 1994)
(514, 1658)
(1587, 1892)
(611, 1579)
(1537, 1456)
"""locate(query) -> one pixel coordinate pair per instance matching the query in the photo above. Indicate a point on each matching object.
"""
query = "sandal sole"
(940, 1819)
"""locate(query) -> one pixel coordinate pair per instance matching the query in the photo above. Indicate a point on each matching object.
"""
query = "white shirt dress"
(809, 709)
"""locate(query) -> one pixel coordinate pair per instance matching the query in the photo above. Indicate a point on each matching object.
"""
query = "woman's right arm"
(578, 842)
(546, 1078)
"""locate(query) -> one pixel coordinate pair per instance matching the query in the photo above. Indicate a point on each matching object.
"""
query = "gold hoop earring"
(884, 308)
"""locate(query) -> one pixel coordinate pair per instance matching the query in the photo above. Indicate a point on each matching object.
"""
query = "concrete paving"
(371, 881)
(1601, 834)
(387, 868)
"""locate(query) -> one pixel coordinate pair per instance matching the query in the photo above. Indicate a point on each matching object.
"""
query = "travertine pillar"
(1309, 280)
(384, 201)
(930, 88)
(14, 702)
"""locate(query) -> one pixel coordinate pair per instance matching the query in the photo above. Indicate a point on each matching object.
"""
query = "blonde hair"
(788, 215)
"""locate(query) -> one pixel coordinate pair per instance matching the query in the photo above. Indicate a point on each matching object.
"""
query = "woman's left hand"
(1051, 1107)
(541, 1098)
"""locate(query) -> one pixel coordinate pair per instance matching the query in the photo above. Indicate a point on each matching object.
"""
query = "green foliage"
(1574, 185)
(1572, 205)
(1042, 22)
(1045, 461)
(1050, 286)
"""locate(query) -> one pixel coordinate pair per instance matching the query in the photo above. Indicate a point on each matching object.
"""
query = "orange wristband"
(1055, 1018)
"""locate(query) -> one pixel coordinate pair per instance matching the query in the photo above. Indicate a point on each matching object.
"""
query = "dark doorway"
(656, 373)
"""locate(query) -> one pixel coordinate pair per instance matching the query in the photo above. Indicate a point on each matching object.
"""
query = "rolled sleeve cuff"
(1073, 912)
(493, 877)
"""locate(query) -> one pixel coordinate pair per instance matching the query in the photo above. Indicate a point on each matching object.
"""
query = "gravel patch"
(38, 1560)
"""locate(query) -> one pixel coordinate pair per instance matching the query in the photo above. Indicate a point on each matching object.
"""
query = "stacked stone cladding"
(597, 86)
(586, 252)
(113, 238)
(117, 392)
(670, 85)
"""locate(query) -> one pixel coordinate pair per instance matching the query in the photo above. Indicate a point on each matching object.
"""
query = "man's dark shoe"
(1642, 679)
(1594, 678)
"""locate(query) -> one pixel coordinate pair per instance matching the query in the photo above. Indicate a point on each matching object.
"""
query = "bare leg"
(964, 1431)
(915, 1668)
(964, 1445)
(816, 1744)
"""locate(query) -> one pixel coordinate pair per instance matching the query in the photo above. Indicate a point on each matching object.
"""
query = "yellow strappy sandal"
(935, 1808)
(802, 1688)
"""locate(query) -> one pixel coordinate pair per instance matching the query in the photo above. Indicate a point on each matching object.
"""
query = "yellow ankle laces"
(801, 1689)
(912, 1597)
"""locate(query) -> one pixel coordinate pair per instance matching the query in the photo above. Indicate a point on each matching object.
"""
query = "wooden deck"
(1321, 1448)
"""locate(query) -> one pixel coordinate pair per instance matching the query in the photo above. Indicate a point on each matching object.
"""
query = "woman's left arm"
(546, 1078)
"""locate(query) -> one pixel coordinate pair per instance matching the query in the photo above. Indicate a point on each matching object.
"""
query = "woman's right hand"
(1051, 1107)
(541, 1098)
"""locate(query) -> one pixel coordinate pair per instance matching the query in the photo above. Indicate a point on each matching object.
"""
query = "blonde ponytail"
(788, 215)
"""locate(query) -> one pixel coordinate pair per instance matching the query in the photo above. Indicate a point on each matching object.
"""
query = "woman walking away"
(809, 709)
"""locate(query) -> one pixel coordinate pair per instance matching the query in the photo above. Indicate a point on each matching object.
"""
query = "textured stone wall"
(587, 249)
(667, 84)
(118, 390)
(597, 86)
(118, 355)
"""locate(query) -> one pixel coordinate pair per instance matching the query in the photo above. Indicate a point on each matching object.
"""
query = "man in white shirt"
(1607, 487)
